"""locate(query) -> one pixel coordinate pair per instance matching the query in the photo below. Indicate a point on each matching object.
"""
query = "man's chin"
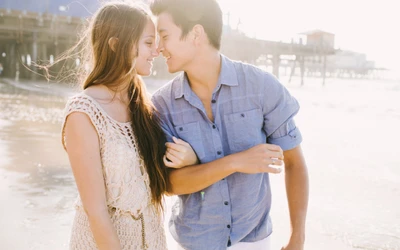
(172, 70)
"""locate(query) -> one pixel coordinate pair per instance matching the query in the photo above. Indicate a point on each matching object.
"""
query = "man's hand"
(263, 158)
(179, 154)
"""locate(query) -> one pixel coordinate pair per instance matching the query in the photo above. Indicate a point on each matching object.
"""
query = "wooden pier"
(27, 37)
(272, 53)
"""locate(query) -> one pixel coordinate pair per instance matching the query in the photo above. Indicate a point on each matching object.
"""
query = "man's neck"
(204, 73)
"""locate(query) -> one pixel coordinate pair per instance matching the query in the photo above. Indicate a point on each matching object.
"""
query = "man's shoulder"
(254, 75)
(167, 90)
(252, 71)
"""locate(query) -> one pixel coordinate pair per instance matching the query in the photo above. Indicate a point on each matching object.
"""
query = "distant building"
(350, 60)
(341, 63)
(319, 38)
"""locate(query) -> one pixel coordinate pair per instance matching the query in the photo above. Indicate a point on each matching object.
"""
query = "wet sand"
(351, 142)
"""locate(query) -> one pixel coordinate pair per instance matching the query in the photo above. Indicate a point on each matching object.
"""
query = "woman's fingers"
(170, 161)
(175, 153)
(177, 147)
(179, 141)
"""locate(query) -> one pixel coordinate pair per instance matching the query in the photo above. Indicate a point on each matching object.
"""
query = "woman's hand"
(179, 154)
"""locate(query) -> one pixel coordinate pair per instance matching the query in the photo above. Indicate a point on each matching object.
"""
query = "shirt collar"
(227, 77)
(181, 86)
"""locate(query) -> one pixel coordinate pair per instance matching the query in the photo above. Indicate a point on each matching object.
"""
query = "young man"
(239, 121)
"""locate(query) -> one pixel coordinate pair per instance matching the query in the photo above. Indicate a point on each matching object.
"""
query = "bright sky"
(366, 26)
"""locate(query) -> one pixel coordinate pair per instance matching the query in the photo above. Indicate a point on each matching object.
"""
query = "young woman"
(114, 140)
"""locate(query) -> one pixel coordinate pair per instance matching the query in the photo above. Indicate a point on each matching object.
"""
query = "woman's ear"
(112, 42)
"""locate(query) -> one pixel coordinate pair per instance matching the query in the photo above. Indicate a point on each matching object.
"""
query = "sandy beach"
(351, 143)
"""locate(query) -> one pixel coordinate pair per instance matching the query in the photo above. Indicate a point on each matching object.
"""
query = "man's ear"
(198, 32)
(112, 42)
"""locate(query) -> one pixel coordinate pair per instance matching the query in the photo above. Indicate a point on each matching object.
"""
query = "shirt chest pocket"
(191, 133)
(244, 129)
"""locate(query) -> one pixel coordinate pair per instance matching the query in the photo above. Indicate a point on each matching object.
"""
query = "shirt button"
(214, 127)
(242, 115)
(219, 152)
(226, 203)
(228, 226)
(213, 101)
(180, 129)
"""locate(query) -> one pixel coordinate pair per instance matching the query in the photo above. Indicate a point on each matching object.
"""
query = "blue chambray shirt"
(250, 107)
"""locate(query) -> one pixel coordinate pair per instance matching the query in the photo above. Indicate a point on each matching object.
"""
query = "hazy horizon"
(364, 27)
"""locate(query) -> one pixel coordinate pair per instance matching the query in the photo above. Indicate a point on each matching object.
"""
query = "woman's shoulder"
(87, 98)
(84, 102)
(79, 109)
(97, 92)
(79, 101)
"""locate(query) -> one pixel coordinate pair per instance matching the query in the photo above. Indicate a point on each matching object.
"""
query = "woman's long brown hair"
(111, 67)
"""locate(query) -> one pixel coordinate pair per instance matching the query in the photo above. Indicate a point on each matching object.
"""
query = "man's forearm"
(296, 177)
(197, 177)
(297, 194)
(257, 159)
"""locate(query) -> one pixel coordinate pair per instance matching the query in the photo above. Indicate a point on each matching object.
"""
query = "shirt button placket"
(220, 155)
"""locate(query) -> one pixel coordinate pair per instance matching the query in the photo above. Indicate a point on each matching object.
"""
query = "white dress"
(135, 219)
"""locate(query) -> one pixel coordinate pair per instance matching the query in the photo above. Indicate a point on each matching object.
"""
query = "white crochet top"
(126, 179)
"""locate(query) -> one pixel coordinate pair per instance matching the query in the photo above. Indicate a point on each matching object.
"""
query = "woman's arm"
(82, 145)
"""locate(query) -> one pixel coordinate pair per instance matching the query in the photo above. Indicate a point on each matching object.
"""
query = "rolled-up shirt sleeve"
(287, 136)
(279, 108)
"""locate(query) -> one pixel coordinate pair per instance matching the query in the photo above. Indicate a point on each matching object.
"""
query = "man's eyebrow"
(162, 30)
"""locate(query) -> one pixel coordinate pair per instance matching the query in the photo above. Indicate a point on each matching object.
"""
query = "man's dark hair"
(187, 13)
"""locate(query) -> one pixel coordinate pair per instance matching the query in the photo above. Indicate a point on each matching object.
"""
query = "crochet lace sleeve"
(84, 105)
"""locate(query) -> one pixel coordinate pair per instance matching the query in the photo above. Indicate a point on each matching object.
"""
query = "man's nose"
(155, 52)
(160, 48)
